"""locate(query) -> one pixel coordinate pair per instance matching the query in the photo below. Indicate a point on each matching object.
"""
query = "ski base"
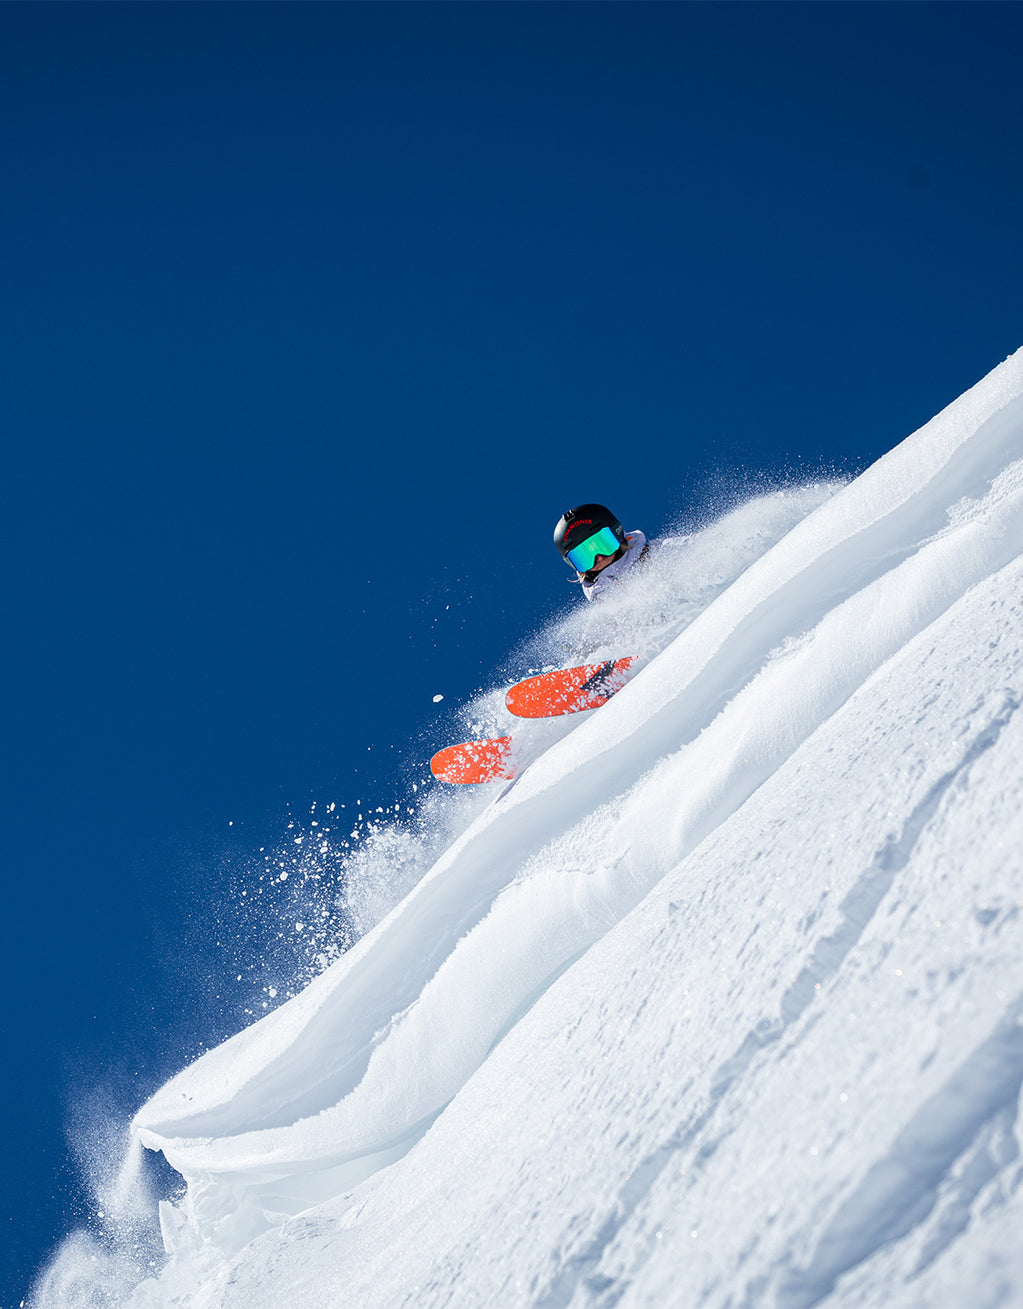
(570, 690)
(475, 761)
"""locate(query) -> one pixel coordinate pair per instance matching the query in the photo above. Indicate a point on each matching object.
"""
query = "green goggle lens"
(583, 556)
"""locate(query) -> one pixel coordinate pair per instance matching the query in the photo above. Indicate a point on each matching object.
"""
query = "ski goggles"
(583, 556)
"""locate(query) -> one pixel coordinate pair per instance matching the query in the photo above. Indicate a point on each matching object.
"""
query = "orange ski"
(569, 690)
(475, 761)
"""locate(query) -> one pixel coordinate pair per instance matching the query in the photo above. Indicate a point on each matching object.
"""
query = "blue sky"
(315, 319)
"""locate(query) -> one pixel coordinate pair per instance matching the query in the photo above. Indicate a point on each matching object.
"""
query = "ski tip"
(475, 761)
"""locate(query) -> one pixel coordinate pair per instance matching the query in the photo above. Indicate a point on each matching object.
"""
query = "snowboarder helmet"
(587, 531)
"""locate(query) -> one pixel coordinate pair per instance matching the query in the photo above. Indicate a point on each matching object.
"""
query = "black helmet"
(581, 523)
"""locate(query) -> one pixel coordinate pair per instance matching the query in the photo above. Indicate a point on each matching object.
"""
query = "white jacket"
(612, 575)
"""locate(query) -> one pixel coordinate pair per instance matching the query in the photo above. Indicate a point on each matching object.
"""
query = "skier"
(593, 542)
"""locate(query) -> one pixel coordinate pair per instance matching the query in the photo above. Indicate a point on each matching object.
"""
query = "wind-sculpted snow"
(721, 1002)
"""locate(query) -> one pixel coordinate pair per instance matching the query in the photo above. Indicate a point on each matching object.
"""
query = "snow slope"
(722, 1002)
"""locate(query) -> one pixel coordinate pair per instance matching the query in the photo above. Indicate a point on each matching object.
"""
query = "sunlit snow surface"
(721, 1004)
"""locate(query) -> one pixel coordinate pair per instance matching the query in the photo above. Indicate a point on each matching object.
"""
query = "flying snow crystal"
(437, 699)
(704, 937)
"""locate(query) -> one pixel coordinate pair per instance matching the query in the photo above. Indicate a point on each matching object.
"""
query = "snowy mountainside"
(720, 1004)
